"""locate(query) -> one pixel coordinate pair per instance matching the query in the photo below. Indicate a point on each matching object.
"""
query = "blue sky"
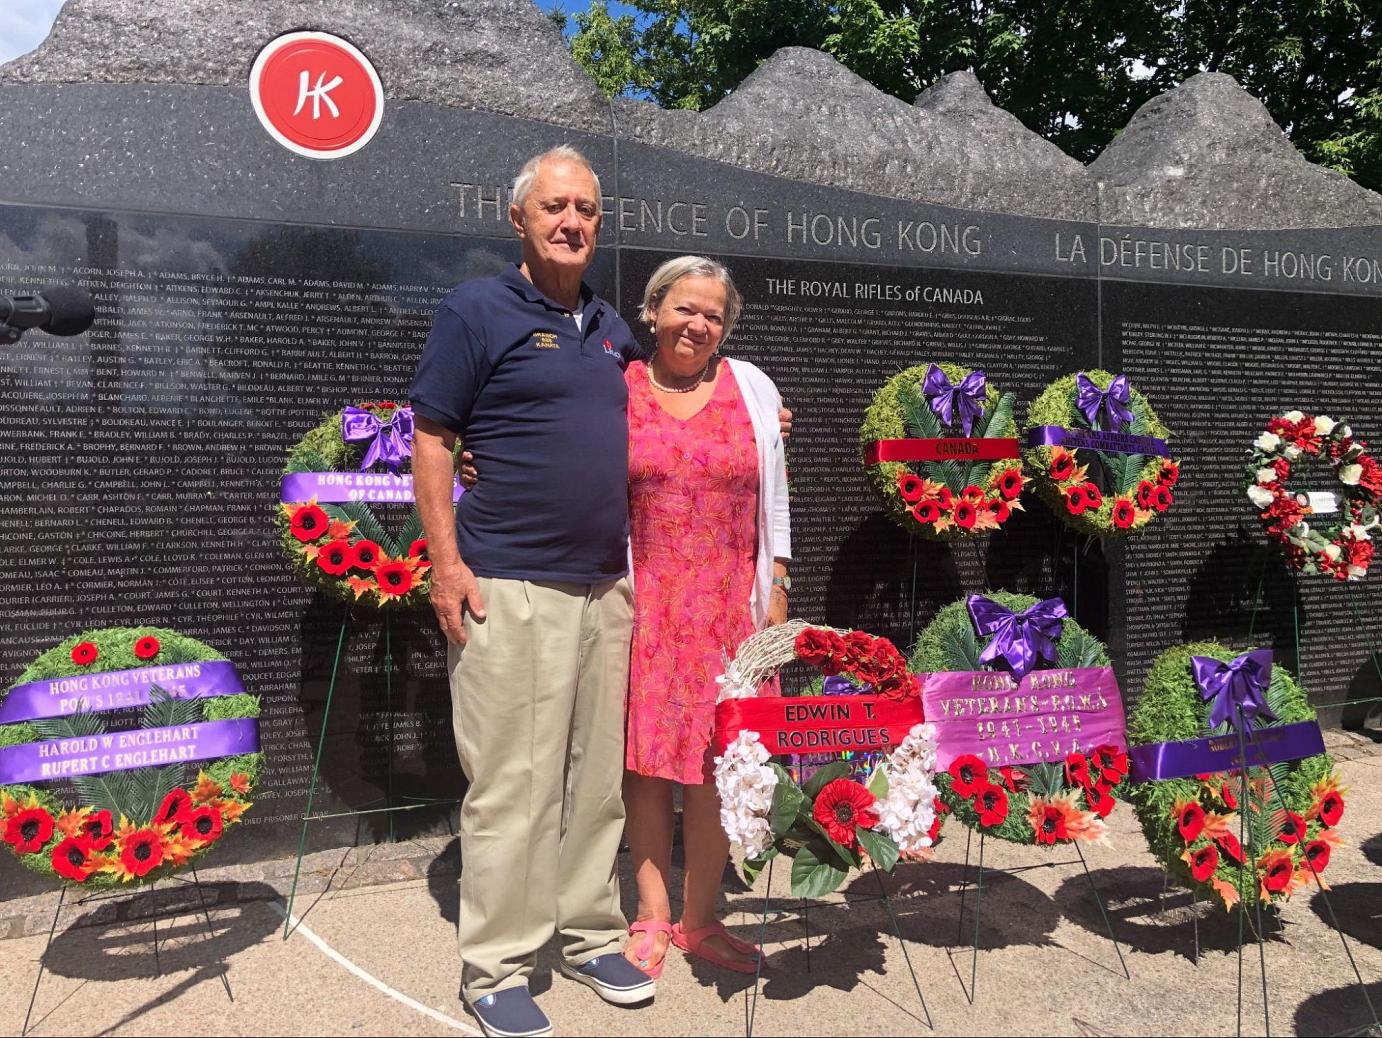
(24, 24)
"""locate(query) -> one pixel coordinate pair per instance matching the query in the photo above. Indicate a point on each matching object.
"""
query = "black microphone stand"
(9, 336)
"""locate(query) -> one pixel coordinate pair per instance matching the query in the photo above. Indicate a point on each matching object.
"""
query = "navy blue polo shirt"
(542, 406)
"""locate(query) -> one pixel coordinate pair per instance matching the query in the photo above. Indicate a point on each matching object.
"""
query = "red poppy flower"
(841, 807)
(813, 646)
(1170, 472)
(1010, 483)
(972, 494)
(308, 523)
(1098, 799)
(945, 499)
(910, 486)
(84, 654)
(418, 548)
(1000, 510)
(1203, 862)
(395, 578)
(203, 825)
(1014, 781)
(386, 405)
(1277, 870)
(1111, 762)
(1190, 820)
(174, 809)
(1124, 514)
(969, 775)
(1062, 467)
(72, 859)
(1075, 502)
(1317, 854)
(146, 648)
(142, 851)
(1050, 825)
(1092, 497)
(335, 558)
(1162, 499)
(28, 830)
(992, 804)
(964, 515)
(1077, 769)
(98, 828)
(1226, 795)
(364, 555)
(1292, 828)
(1331, 808)
(926, 512)
(1229, 844)
(1144, 494)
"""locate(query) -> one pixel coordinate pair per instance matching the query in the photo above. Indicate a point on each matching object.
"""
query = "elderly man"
(530, 585)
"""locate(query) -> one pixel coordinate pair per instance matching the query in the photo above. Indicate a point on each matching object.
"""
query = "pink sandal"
(693, 943)
(649, 928)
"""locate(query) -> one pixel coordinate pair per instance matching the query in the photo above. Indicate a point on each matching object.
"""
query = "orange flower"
(70, 822)
(1057, 819)
(206, 789)
(231, 810)
(240, 782)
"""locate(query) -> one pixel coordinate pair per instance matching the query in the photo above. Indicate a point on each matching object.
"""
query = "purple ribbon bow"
(1239, 689)
(967, 398)
(1020, 639)
(389, 442)
(1114, 402)
(838, 685)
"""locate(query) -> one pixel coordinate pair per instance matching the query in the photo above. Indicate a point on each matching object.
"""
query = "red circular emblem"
(316, 95)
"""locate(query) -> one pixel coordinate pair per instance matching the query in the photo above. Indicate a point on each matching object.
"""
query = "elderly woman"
(710, 539)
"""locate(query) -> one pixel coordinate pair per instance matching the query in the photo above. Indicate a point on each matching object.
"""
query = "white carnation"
(1292, 452)
(1267, 475)
(1350, 474)
(908, 811)
(1267, 442)
(1359, 532)
(1344, 430)
(1324, 425)
(1332, 552)
(1261, 497)
(746, 785)
(1356, 573)
(1293, 416)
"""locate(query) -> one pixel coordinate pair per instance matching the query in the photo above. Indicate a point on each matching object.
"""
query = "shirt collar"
(514, 279)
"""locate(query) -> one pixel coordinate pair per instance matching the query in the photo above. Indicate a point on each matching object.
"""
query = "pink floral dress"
(693, 507)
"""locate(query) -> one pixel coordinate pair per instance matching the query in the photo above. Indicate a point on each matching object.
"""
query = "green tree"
(1072, 70)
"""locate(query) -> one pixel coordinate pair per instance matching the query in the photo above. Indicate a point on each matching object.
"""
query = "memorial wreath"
(99, 806)
(1294, 441)
(828, 824)
(939, 443)
(1028, 716)
(1099, 454)
(1204, 710)
(357, 457)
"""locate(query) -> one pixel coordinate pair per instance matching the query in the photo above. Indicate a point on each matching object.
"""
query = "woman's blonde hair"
(673, 271)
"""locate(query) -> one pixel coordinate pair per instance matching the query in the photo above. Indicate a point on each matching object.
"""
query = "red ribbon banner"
(963, 448)
(818, 724)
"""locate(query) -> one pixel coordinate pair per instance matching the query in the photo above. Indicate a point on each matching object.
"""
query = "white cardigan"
(774, 522)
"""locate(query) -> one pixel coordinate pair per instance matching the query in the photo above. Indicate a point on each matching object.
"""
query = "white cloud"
(24, 24)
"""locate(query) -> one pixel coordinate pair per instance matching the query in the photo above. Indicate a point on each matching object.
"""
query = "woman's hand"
(777, 607)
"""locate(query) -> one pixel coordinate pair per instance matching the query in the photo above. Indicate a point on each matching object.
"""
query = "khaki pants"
(537, 697)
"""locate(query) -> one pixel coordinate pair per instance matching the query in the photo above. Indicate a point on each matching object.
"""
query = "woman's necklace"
(696, 380)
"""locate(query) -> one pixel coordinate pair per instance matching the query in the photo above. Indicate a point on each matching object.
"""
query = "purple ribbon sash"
(390, 443)
(1171, 760)
(1022, 639)
(58, 759)
(1114, 442)
(337, 487)
(116, 689)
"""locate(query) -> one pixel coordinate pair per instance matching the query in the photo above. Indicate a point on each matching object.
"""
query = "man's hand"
(469, 476)
(777, 607)
(784, 420)
(455, 590)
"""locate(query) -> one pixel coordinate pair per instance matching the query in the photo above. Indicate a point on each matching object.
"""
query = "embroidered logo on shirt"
(546, 341)
(609, 348)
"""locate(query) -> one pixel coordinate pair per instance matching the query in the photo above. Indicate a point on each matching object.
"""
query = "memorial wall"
(243, 291)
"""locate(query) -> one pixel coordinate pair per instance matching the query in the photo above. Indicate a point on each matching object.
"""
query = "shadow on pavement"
(1358, 909)
(926, 898)
(1372, 849)
(1339, 1011)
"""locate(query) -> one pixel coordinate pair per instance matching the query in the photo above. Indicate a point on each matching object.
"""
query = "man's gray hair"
(523, 183)
(673, 271)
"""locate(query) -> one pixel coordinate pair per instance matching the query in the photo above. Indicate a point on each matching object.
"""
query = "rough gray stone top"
(805, 116)
(1208, 155)
(497, 55)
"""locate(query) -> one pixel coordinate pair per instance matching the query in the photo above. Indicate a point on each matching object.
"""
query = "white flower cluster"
(733, 684)
(746, 784)
(909, 809)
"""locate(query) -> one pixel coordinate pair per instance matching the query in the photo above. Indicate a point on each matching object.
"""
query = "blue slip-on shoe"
(510, 1013)
(614, 978)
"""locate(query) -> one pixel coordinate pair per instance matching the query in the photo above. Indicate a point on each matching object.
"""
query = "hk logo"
(317, 95)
